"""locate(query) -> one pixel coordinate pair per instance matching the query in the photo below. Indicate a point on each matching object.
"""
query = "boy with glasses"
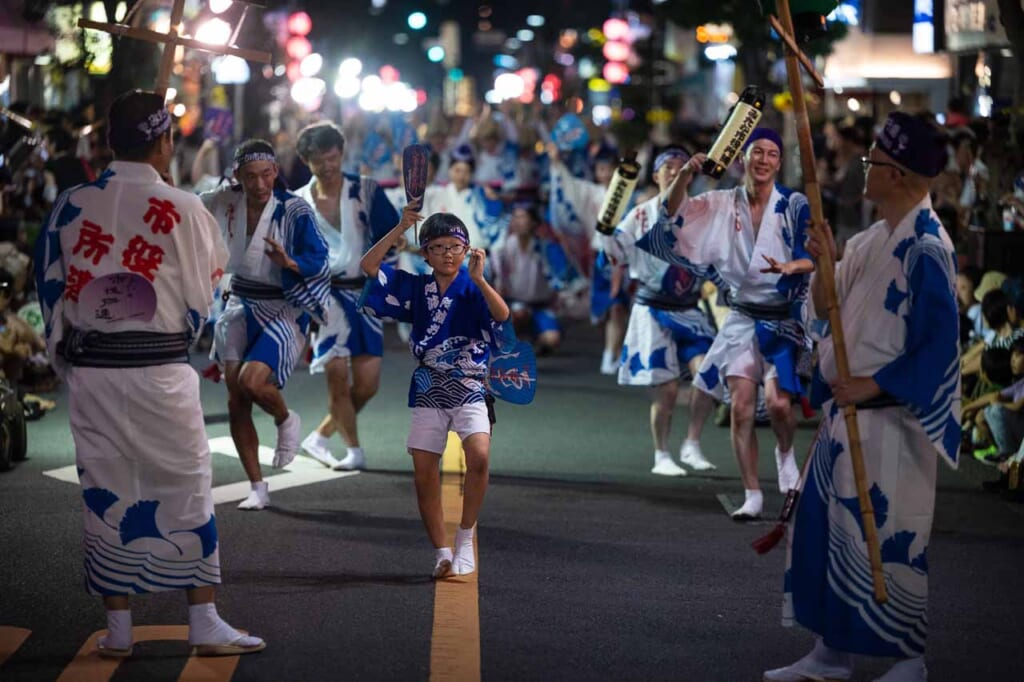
(457, 320)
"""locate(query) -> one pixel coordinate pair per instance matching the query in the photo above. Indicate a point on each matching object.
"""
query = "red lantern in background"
(299, 24)
(616, 72)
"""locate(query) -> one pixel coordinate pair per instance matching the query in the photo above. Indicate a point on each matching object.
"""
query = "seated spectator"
(999, 415)
(971, 324)
(22, 350)
(1003, 322)
(526, 277)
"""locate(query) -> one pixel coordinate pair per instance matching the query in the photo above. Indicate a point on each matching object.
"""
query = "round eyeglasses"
(866, 162)
(441, 249)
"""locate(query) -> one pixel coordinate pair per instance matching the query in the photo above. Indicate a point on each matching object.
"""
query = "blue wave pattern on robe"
(310, 288)
(927, 376)
(452, 334)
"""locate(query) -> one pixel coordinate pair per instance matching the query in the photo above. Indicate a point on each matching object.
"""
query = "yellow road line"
(11, 639)
(88, 666)
(455, 642)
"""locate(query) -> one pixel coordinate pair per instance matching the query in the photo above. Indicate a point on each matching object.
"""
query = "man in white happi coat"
(279, 280)
(668, 334)
(896, 290)
(126, 269)
(352, 213)
(753, 236)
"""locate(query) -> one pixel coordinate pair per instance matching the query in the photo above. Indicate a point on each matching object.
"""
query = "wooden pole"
(825, 269)
(171, 40)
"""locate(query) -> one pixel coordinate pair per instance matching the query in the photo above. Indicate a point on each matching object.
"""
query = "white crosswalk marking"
(302, 471)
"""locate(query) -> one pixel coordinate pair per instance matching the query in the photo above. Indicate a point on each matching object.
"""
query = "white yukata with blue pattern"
(715, 229)
(366, 216)
(271, 331)
(896, 291)
(140, 442)
(659, 342)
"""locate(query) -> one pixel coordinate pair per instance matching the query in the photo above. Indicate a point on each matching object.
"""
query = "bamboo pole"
(825, 269)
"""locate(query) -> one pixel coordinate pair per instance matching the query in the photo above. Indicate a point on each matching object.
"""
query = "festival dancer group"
(128, 267)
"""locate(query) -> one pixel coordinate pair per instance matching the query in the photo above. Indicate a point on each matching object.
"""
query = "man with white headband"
(753, 236)
(279, 279)
(667, 334)
(126, 270)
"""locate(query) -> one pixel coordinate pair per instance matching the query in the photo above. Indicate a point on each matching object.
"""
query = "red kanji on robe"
(162, 215)
(142, 257)
(74, 282)
(93, 241)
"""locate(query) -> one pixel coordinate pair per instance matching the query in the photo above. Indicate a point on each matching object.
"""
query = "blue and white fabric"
(270, 331)
(659, 342)
(896, 290)
(453, 334)
(366, 216)
(715, 230)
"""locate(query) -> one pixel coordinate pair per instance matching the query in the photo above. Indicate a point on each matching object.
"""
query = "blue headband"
(671, 153)
(764, 134)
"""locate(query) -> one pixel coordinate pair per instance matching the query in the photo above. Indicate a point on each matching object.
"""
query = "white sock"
(753, 504)
(119, 630)
(356, 453)
(205, 626)
(662, 455)
(442, 556)
(829, 656)
(320, 441)
(465, 560)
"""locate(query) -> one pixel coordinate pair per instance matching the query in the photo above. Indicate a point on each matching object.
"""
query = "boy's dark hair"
(995, 365)
(993, 308)
(443, 225)
(319, 137)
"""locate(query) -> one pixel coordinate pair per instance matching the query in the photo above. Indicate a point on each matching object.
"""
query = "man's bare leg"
(663, 403)
(743, 393)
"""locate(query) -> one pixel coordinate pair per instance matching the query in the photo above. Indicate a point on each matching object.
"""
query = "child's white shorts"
(430, 425)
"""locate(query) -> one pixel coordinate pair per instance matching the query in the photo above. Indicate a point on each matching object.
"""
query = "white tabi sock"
(258, 498)
(789, 472)
(119, 630)
(442, 562)
(354, 459)
(320, 441)
(205, 626)
(608, 364)
(822, 663)
(753, 504)
(908, 670)
(664, 466)
(464, 562)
